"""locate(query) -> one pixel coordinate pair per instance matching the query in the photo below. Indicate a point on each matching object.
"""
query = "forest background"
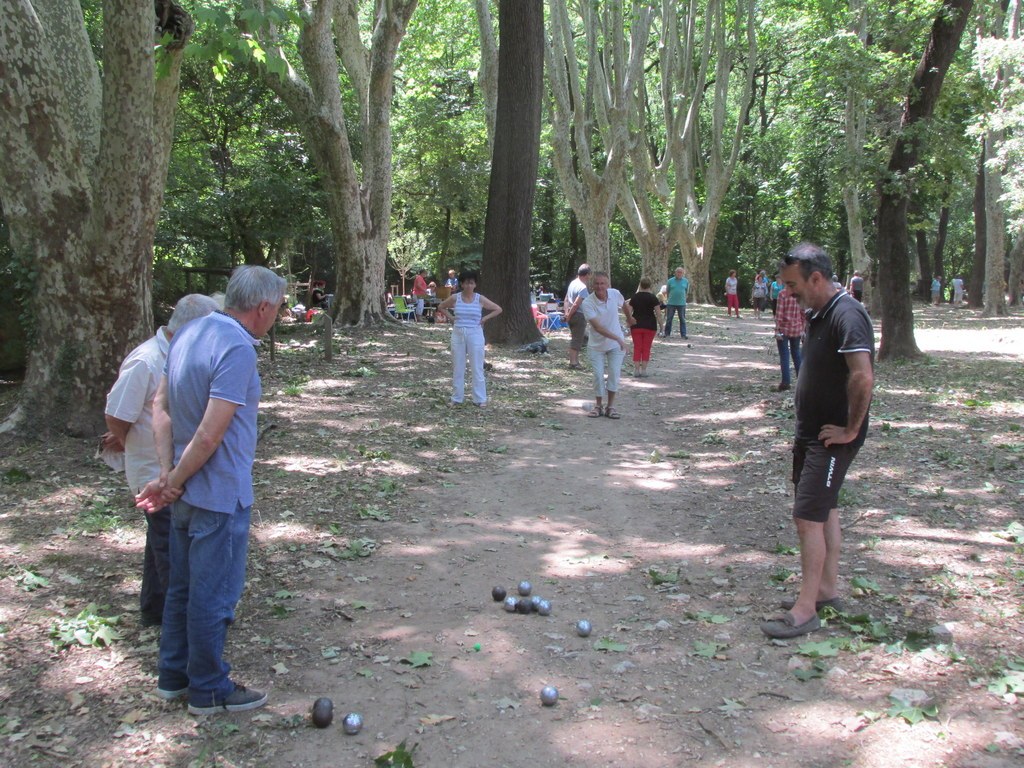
(351, 142)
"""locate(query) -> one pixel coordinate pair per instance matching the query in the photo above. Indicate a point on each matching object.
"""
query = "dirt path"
(384, 519)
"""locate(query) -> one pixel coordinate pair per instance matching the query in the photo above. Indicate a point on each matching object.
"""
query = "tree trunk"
(506, 259)
(938, 262)
(1016, 269)
(995, 232)
(893, 256)
(83, 196)
(976, 284)
(924, 264)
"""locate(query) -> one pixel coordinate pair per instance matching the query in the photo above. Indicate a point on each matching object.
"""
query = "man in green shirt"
(677, 287)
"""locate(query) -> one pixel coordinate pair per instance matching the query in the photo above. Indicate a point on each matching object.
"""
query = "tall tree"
(591, 109)
(506, 262)
(357, 176)
(894, 194)
(82, 167)
(685, 145)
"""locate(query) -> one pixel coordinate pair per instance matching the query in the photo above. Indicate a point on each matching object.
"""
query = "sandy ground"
(384, 519)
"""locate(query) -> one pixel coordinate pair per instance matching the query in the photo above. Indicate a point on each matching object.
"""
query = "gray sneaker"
(239, 700)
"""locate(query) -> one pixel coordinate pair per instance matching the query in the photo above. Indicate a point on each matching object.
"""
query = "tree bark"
(1016, 269)
(893, 255)
(505, 275)
(83, 184)
(938, 261)
(995, 231)
(976, 285)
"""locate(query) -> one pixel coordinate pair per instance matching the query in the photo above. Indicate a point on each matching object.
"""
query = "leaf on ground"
(607, 644)
(436, 719)
(418, 659)
(280, 669)
(819, 650)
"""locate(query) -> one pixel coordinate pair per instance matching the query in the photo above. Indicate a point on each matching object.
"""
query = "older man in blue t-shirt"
(204, 419)
(676, 289)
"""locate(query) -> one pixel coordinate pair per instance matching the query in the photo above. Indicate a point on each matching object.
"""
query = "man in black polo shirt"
(833, 393)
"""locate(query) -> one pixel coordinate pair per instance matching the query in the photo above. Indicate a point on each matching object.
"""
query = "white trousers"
(468, 342)
(600, 360)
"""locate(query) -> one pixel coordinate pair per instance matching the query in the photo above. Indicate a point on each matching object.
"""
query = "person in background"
(204, 420)
(773, 293)
(647, 313)
(732, 297)
(468, 337)
(958, 290)
(789, 328)
(420, 292)
(759, 294)
(676, 288)
(936, 290)
(452, 281)
(574, 296)
(608, 347)
(856, 286)
(129, 444)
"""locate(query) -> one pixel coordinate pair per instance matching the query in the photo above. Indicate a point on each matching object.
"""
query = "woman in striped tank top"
(468, 337)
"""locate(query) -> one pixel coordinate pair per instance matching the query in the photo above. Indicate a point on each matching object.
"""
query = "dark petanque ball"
(525, 588)
(323, 712)
(548, 695)
(498, 593)
(524, 606)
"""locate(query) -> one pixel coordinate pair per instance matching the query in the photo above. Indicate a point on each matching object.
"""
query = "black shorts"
(818, 474)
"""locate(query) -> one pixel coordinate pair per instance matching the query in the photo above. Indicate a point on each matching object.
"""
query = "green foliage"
(88, 628)
(97, 517)
(399, 757)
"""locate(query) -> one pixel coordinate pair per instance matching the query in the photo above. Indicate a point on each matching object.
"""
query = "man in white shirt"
(608, 345)
(130, 444)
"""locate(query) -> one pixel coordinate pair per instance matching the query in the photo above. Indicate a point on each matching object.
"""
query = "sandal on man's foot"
(785, 626)
(611, 413)
(595, 412)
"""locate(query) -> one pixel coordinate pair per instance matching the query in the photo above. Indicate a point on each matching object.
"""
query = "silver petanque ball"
(353, 723)
(525, 588)
(548, 695)
(583, 628)
(535, 601)
(510, 604)
(544, 607)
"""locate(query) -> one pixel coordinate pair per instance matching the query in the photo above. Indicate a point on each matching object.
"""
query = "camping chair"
(402, 309)
(542, 320)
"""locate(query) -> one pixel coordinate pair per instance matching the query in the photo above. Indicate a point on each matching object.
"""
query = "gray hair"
(811, 258)
(191, 307)
(251, 285)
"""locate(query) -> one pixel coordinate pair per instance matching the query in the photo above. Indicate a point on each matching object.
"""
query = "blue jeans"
(208, 551)
(788, 345)
(671, 309)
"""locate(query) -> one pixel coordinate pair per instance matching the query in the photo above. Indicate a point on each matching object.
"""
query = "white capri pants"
(602, 361)
(468, 342)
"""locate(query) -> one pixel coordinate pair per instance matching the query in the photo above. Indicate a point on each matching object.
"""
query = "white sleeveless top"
(468, 315)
